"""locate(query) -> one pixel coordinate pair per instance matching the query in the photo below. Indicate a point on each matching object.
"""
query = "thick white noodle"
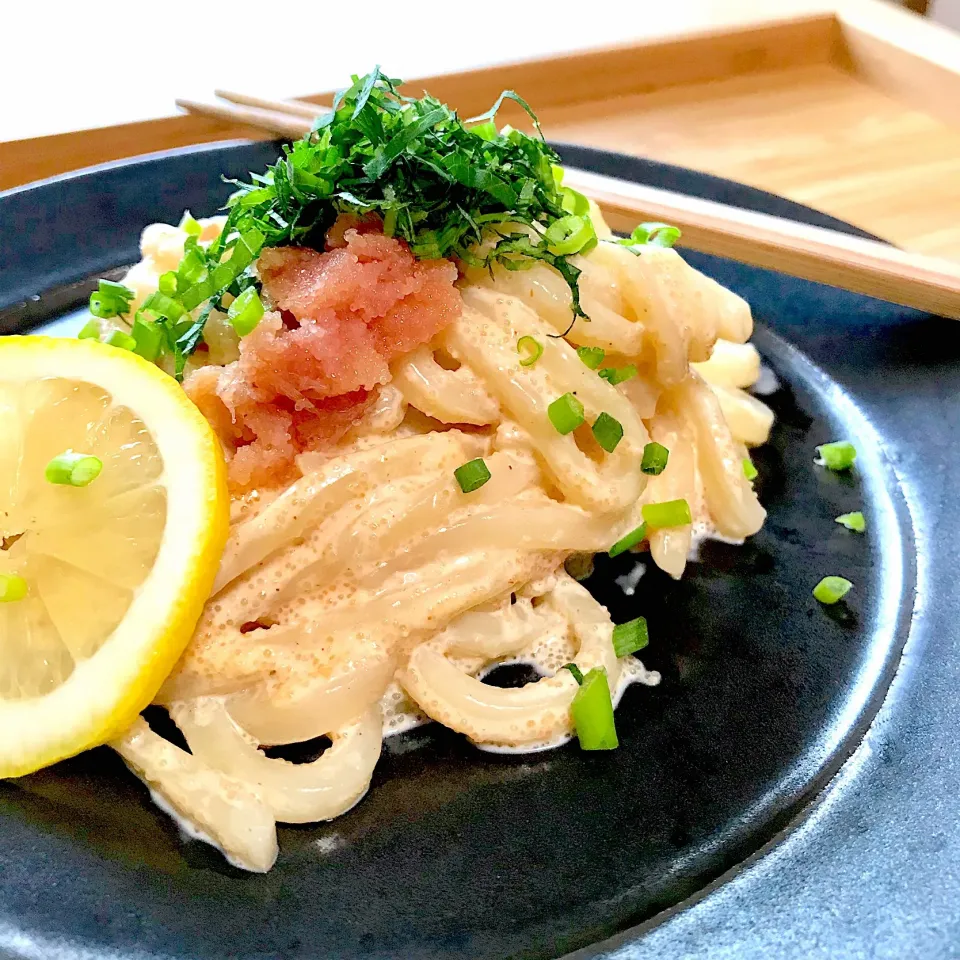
(733, 505)
(670, 546)
(324, 705)
(486, 335)
(450, 396)
(219, 808)
(295, 793)
(749, 419)
(318, 494)
(534, 713)
(730, 365)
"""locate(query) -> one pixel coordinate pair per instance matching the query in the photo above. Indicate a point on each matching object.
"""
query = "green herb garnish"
(448, 187)
(655, 459)
(838, 455)
(608, 431)
(630, 637)
(72, 469)
(592, 712)
(651, 235)
(852, 521)
(634, 537)
(12, 587)
(530, 350)
(592, 357)
(566, 413)
(670, 513)
(831, 590)
(472, 475)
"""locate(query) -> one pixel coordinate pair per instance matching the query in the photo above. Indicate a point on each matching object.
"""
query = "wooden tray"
(853, 108)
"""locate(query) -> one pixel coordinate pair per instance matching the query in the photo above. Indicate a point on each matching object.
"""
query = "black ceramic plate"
(749, 811)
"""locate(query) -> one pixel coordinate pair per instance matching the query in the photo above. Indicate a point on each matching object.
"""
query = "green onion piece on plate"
(575, 670)
(592, 711)
(615, 375)
(655, 457)
(530, 350)
(852, 521)
(630, 540)
(670, 513)
(73, 469)
(245, 312)
(838, 455)
(122, 340)
(592, 357)
(566, 413)
(472, 475)
(830, 590)
(608, 431)
(630, 637)
(90, 331)
(749, 470)
(12, 588)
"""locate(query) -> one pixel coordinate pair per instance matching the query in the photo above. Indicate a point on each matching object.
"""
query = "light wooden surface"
(863, 266)
(852, 106)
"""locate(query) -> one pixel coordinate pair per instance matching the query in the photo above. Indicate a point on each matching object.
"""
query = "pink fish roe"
(306, 373)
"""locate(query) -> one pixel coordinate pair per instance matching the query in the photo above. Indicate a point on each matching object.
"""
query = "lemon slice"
(102, 584)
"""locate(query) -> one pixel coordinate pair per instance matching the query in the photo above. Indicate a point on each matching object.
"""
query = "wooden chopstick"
(761, 240)
(287, 124)
(300, 108)
(811, 253)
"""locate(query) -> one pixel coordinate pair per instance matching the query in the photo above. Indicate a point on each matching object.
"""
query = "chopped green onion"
(608, 431)
(566, 413)
(90, 331)
(670, 513)
(575, 202)
(652, 234)
(592, 357)
(110, 299)
(530, 350)
(575, 670)
(655, 457)
(12, 588)
(168, 283)
(852, 521)
(73, 469)
(122, 340)
(569, 235)
(630, 540)
(472, 475)
(630, 637)
(838, 455)
(592, 711)
(163, 305)
(486, 131)
(615, 375)
(832, 589)
(148, 338)
(749, 470)
(245, 312)
(191, 226)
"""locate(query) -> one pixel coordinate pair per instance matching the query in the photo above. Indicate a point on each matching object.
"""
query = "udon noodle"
(372, 593)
